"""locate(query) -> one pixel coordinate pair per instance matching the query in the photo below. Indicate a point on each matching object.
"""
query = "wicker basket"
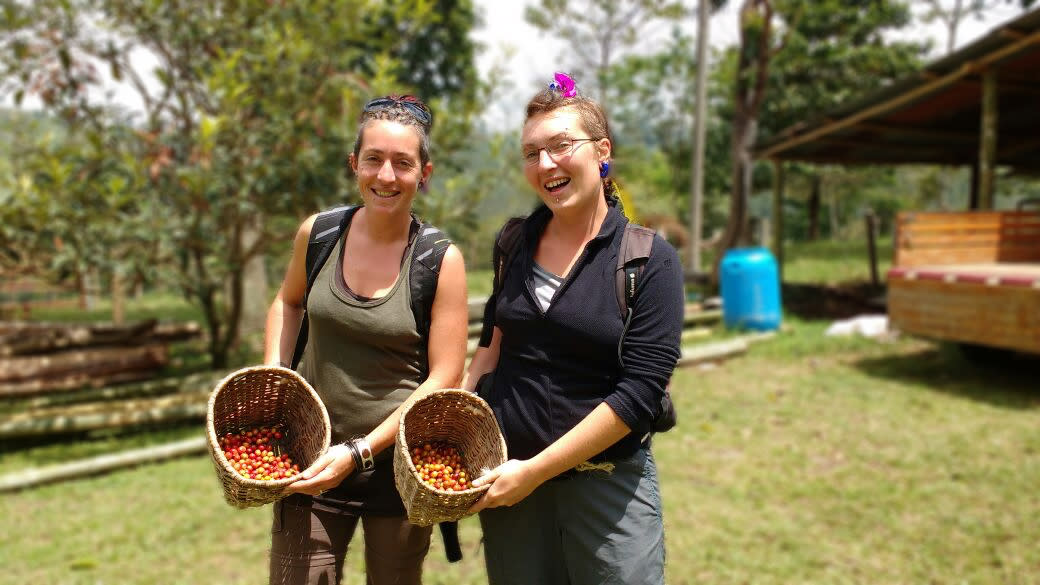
(458, 418)
(265, 396)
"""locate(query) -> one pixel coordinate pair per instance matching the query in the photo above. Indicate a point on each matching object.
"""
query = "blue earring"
(604, 168)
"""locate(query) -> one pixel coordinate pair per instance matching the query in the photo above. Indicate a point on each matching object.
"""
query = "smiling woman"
(576, 386)
(367, 351)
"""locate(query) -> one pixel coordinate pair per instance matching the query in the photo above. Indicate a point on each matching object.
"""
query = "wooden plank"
(71, 382)
(94, 416)
(1007, 317)
(964, 226)
(88, 361)
(909, 258)
(981, 239)
(183, 384)
(101, 464)
(1005, 269)
(967, 216)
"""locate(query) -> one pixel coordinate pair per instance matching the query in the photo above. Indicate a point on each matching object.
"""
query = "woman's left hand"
(510, 482)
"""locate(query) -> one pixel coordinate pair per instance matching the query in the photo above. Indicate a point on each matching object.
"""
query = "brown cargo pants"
(308, 546)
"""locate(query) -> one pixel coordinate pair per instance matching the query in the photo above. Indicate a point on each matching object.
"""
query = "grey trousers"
(590, 528)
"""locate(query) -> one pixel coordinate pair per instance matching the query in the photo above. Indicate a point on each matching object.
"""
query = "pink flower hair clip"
(564, 84)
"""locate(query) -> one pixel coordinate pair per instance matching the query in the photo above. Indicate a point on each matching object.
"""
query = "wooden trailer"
(968, 277)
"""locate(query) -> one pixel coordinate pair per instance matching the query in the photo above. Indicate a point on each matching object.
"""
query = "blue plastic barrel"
(750, 284)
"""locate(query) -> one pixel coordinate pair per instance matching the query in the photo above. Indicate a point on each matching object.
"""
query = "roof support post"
(988, 139)
(779, 179)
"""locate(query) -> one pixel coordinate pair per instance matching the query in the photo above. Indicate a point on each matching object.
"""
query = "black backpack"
(633, 255)
(427, 254)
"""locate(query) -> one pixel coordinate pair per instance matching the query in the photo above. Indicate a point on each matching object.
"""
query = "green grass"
(478, 282)
(809, 460)
(833, 262)
(152, 305)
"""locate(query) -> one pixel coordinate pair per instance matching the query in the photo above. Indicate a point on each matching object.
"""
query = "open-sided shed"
(977, 107)
(970, 277)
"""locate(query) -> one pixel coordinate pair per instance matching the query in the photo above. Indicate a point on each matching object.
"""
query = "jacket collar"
(538, 219)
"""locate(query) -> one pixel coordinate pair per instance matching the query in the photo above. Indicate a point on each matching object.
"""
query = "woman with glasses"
(578, 502)
(366, 356)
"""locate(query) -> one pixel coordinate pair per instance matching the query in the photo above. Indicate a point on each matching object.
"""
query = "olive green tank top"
(363, 357)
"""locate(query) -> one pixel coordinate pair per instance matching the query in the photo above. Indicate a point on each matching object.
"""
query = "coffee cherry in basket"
(258, 454)
(440, 466)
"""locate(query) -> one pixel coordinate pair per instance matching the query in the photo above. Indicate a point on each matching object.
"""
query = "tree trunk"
(255, 286)
(88, 282)
(700, 124)
(737, 232)
(48, 338)
(813, 207)
(118, 297)
(835, 228)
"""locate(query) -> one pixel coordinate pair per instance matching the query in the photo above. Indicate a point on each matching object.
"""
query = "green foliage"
(66, 189)
(832, 52)
(247, 121)
(599, 31)
(429, 43)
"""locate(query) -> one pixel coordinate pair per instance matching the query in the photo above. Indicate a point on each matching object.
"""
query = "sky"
(529, 58)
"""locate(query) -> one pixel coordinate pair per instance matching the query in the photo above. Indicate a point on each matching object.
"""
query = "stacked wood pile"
(39, 358)
(61, 378)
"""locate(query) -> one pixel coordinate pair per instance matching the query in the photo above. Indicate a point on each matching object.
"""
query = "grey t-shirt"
(545, 286)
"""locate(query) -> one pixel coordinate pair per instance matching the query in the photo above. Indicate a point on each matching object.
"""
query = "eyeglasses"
(412, 104)
(559, 148)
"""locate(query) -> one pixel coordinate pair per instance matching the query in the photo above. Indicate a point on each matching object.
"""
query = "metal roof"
(934, 115)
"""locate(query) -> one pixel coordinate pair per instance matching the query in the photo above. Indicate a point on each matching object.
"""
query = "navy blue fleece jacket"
(556, 366)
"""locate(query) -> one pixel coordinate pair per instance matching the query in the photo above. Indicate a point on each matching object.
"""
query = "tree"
(653, 108)
(798, 59)
(244, 123)
(62, 192)
(758, 44)
(600, 31)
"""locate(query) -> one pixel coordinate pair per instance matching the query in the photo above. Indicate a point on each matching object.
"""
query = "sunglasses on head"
(410, 103)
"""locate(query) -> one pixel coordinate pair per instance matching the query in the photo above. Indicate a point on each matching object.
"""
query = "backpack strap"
(325, 232)
(507, 242)
(506, 245)
(633, 255)
(427, 254)
(636, 243)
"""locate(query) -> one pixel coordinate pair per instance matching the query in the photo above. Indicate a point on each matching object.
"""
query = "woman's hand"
(327, 472)
(510, 482)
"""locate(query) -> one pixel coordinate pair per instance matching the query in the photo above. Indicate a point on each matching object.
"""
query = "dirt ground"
(840, 301)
